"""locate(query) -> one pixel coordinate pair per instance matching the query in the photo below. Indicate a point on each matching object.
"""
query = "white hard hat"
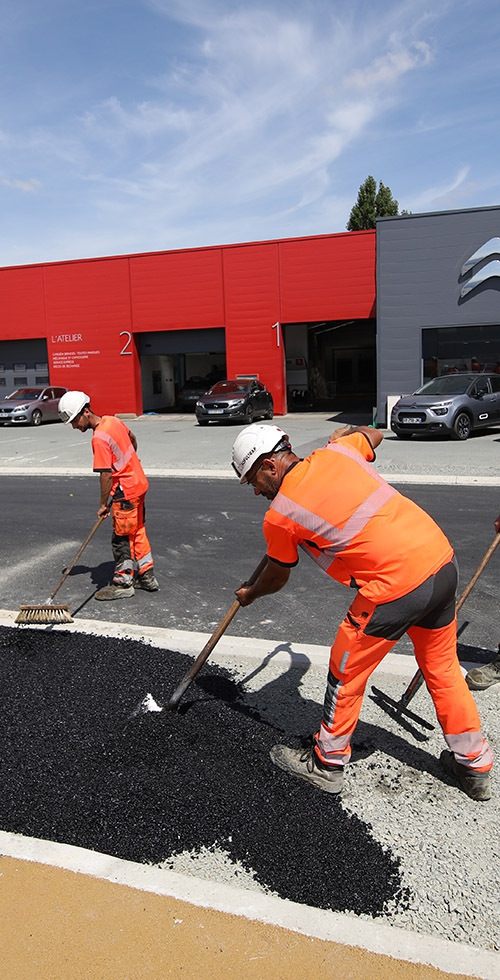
(255, 441)
(71, 404)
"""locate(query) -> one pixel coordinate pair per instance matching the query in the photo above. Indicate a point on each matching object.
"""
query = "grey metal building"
(438, 298)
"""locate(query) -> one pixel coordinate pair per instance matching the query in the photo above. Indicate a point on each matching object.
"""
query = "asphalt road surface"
(206, 537)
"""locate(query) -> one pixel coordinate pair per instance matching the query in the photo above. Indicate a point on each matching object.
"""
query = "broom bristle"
(43, 614)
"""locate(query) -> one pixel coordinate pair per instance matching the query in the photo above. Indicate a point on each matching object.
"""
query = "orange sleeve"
(103, 459)
(360, 441)
(281, 538)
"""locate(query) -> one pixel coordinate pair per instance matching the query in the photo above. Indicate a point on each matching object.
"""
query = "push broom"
(48, 613)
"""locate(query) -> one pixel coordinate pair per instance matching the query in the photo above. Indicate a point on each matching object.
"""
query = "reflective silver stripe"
(333, 686)
(126, 566)
(336, 447)
(334, 749)
(339, 538)
(121, 458)
(471, 749)
(146, 560)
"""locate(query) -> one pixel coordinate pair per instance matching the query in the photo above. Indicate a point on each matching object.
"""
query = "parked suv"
(453, 404)
(31, 406)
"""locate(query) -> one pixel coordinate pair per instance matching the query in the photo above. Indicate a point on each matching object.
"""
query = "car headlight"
(442, 410)
(21, 408)
(235, 402)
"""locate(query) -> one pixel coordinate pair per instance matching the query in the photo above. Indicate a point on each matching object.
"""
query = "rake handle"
(210, 644)
(75, 559)
(417, 681)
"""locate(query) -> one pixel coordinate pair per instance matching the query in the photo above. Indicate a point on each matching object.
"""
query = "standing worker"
(123, 492)
(366, 535)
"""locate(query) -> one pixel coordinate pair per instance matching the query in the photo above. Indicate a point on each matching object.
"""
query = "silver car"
(31, 406)
(454, 405)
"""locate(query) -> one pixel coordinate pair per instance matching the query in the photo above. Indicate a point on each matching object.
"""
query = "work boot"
(114, 591)
(148, 582)
(477, 785)
(305, 764)
(479, 678)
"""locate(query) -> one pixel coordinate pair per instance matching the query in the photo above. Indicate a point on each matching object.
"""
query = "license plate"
(215, 411)
(411, 421)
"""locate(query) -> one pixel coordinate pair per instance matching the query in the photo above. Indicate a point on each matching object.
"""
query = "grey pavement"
(173, 444)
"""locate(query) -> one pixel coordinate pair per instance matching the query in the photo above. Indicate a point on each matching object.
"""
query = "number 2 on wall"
(126, 333)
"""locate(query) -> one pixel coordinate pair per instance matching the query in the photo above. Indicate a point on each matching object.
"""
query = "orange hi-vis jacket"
(113, 452)
(357, 527)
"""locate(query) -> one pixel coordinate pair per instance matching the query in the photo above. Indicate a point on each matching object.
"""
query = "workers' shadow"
(471, 654)
(280, 705)
(100, 575)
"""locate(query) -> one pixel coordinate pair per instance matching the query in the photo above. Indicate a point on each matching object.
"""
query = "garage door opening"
(179, 365)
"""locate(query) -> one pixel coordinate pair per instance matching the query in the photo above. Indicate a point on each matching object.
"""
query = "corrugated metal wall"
(91, 310)
(419, 262)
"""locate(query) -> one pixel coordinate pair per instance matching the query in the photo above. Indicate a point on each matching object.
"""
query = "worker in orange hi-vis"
(123, 486)
(363, 533)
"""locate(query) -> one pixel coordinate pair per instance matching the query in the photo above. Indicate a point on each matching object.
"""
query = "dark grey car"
(454, 405)
(31, 406)
(235, 399)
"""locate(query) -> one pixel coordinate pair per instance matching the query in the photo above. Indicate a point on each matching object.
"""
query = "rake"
(183, 685)
(47, 613)
(418, 679)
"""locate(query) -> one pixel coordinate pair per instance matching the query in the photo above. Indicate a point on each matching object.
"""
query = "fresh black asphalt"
(77, 766)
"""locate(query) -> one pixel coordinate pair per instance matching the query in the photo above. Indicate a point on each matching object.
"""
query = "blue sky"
(138, 125)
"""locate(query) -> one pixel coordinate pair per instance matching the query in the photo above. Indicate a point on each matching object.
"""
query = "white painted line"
(322, 924)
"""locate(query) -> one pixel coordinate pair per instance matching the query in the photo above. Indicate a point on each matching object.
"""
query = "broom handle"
(75, 559)
(417, 681)
(209, 645)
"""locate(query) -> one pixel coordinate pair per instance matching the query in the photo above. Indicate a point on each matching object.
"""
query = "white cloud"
(30, 185)
(248, 120)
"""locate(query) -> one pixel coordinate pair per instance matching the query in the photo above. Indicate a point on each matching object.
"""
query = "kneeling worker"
(366, 535)
(123, 486)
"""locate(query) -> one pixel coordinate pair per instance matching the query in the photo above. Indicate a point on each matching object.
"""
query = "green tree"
(371, 204)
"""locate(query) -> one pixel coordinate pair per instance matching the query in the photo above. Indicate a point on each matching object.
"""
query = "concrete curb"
(425, 479)
(228, 647)
(317, 923)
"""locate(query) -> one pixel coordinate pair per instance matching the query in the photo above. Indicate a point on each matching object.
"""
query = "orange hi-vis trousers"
(357, 650)
(130, 544)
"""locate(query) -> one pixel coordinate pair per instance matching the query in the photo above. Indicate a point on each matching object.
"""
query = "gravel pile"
(81, 762)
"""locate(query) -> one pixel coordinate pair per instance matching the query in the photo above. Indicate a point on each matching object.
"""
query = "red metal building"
(128, 329)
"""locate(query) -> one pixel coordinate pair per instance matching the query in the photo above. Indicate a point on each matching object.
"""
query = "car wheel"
(462, 427)
(249, 413)
(36, 417)
(202, 421)
(270, 413)
(404, 435)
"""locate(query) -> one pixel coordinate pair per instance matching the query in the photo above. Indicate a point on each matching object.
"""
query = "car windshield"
(24, 394)
(449, 384)
(222, 387)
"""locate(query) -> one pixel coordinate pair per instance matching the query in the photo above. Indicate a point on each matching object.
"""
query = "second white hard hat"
(71, 404)
(255, 441)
